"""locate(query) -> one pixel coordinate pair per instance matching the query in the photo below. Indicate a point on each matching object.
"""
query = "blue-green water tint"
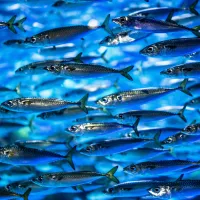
(47, 130)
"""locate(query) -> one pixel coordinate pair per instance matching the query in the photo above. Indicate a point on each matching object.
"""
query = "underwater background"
(98, 100)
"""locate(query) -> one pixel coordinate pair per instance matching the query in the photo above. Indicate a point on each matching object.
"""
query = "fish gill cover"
(100, 99)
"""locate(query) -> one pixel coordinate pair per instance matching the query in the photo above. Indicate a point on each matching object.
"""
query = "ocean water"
(44, 126)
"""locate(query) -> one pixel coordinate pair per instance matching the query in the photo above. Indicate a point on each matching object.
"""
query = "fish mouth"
(163, 73)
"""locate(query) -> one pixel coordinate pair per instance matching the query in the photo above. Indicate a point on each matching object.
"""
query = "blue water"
(41, 16)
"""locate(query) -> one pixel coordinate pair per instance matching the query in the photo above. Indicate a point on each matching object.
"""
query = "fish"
(95, 129)
(16, 43)
(69, 179)
(150, 115)
(113, 146)
(35, 105)
(151, 25)
(179, 139)
(194, 88)
(11, 23)
(67, 113)
(158, 167)
(172, 47)
(63, 35)
(7, 114)
(189, 70)
(81, 70)
(20, 155)
(123, 38)
(140, 96)
(10, 195)
(139, 154)
(194, 103)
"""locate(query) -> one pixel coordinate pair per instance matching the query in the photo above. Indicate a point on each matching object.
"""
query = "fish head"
(39, 180)
(18, 187)
(117, 190)
(37, 40)
(90, 149)
(132, 169)
(120, 116)
(171, 72)
(190, 129)
(110, 41)
(106, 101)
(160, 191)
(152, 50)
(11, 104)
(74, 129)
(173, 140)
(7, 152)
(194, 102)
(122, 21)
(27, 69)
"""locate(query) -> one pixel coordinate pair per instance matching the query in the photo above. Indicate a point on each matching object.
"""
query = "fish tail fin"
(106, 111)
(181, 113)
(82, 103)
(156, 139)
(135, 125)
(18, 89)
(105, 25)
(10, 24)
(19, 24)
(26, 194)
(78, 58)
(124, 72)
(111, 173)
(192, 8)
(69, 157)
(170, 15)
(103, 56)
(67, 142)
(182, 87)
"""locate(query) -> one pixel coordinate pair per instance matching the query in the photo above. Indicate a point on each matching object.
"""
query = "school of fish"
(100, 99)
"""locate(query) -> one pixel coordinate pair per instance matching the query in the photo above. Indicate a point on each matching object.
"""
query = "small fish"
(11, 23)
(139, 154)
(151, 25)
(173, 47)
(140, 95)
(80, 70)
(158, 167)
(179, 139)
(189, 70)
(5, 194)
(68, 179)
(95, 129)
(63, 35)
(107, 147)
(34, 105)
(20, 155)
(150, 115)
(67, 113)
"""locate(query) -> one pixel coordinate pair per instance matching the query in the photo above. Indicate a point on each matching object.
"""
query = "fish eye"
(105, 100)
(33, 39)
(193, 101)
(73, 128)
(88, 148)
(19, 186)
(120, 116)
(169, 70)
(169, 140)
(8, 187)
(47, 36)
(20, 69)
(122, 19)
(10, 103)
(156, 190)
(119, 98)
(150, 49)
(110, 190)
(133, 168)
(40, 178)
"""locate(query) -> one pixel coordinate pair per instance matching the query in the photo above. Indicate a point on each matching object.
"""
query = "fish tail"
(192, 8)
(78, 58)
(82, 103)
(69, 157)
(26, 194)
(105, 25)
(19, 24)
(195, 31)
(156, 139)
(103, 56)
(10, 24)
(135, 125)
(124, 72)
(67, 142)
(111, 173)
(182, 87)
(181, 113)
(30, 125)
(18, 89)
